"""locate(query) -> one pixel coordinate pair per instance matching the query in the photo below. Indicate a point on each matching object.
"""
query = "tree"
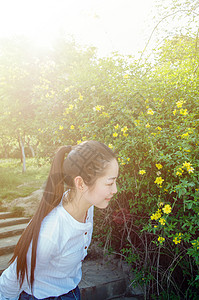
(18, 75)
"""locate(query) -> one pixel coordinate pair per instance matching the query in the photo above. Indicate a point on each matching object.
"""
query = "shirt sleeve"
(9, 285)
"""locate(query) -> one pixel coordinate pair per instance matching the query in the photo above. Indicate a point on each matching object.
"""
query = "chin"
(102, 206)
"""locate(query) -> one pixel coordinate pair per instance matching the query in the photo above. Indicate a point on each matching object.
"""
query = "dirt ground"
(29, 203)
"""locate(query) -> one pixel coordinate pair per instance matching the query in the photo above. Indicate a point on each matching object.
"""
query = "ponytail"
(52, 195)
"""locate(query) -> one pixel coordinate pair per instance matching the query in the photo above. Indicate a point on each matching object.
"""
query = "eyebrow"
(112, 178)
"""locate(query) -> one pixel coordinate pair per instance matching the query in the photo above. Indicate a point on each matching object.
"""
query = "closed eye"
(110, 184)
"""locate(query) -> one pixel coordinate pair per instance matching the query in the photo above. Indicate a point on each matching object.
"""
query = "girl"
(48, 257)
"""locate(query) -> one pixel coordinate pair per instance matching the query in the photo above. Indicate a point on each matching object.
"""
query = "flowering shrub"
(153, 127)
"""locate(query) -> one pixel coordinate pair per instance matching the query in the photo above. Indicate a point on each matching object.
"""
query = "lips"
(108, 199)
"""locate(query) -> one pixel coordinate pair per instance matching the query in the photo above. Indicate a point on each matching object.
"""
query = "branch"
(154, 29)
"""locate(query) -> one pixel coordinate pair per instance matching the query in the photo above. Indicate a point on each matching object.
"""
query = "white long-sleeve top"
(62, 246)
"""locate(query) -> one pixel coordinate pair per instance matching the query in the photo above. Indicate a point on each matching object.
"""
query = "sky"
(108, 25)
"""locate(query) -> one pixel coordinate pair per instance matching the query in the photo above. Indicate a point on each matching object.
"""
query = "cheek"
(100, 192)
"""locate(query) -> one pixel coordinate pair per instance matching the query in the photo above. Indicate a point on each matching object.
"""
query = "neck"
(76, 207)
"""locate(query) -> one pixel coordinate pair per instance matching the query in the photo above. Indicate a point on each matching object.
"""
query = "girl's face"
(104, 188)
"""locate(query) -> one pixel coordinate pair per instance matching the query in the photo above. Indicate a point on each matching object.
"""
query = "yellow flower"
(188, 166)
(137, 122)
(66, 90)
(174, 112)
(121, 161)
(141, 172)
(195, 244)
(71, 106)
(179, 171)
(72, 127)
(116, 126)
(110, 146)
(150, 111)
(190, 170)
(80, 96)
(156, 215)
(79, 142)
(162, 221)
(167, 209)
(61, 127)
(161, 204)
(124, 129)
(159, 180)
(147, 125)
(183, 112)
(126, 76)
(98, 107)
(104, 114)
(185, 135)
(161, 239)
(180, 103)
(159, 128)
(177, 238)
(115, 134)
(125, 134)
(159, 166)
(66, 112)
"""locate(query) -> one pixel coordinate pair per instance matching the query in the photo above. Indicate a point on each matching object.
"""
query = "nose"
(114, 190)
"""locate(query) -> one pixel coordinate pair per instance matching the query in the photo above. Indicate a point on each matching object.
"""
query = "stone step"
(13, 221)
(102, 278)
(108, 290)
(106, 278)
(5, 214)
(12, 230)
(8, 244)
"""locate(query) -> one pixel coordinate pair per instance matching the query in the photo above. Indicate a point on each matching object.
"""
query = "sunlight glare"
(107, 24)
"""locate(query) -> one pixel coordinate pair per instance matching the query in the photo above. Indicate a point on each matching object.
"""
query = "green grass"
(14, 183)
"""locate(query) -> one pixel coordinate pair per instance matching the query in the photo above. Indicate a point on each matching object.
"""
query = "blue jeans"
(74, 294)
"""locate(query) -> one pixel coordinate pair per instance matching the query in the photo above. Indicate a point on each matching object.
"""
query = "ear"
(79, 183)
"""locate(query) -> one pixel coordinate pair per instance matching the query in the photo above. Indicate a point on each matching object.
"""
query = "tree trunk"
(5, 151)
(32, 151)
(22, 153)
(31, 148)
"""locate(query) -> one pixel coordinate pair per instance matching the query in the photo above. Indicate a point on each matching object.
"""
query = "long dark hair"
(88, 160)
